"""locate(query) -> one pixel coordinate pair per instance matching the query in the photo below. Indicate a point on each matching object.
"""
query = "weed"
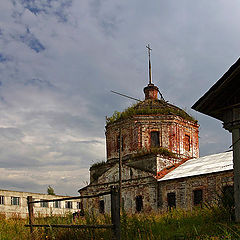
(198, 223)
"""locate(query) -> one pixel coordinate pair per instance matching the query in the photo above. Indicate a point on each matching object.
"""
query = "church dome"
(149, 107)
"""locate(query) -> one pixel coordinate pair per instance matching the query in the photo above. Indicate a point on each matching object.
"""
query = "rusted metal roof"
(203, 165)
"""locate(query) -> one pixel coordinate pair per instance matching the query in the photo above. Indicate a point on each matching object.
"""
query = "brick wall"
(175, 134)
(211, 185)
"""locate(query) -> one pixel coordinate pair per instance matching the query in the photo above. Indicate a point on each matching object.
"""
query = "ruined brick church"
(159, 147)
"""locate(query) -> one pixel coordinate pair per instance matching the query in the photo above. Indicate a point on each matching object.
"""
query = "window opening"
(1, 200)
(228, 197)
(187, 142)
(197, 197)
(131, 173)
(57, 204)
(101, 206)
(139, 203)
(68, 204)
(43, 204)
(79, 205)
(171, 198)
(155, 139)
(15, 201)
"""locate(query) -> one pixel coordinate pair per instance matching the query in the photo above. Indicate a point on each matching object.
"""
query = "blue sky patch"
(3, 58)
(31, 41)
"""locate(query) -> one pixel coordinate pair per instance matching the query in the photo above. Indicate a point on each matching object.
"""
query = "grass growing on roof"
(137, 109)
(98, 164)
(155, 150)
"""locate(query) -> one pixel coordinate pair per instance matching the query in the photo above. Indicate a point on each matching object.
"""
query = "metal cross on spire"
(149, 63)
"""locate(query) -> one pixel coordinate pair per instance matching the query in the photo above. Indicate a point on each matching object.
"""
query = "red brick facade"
(178, 135)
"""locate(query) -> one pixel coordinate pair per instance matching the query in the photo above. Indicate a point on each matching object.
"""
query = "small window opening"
(155, 139)
(1, 200)
(57, 204)
(131, 173)
(197, 197)
(171, 199)
(187, 142)
(228, 196)
(43, 204)
(79, 205)
(101, 206)
(68, 204)
(15, 201)
(139, 203)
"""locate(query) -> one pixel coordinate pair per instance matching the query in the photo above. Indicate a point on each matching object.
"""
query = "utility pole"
(120, 168)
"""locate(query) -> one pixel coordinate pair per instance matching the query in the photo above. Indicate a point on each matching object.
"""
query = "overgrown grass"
(137, 109)
(98, 164)
(201, 223)
(154, 150)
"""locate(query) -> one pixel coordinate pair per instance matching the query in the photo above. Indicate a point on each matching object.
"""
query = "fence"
(115, 214)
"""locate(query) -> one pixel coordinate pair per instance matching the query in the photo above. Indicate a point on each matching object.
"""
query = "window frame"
(69, 204)
(43, 204)
(101, 206)
(15, 201)
(156, 137)
(187, 142)
(57, 204)
(2, 200)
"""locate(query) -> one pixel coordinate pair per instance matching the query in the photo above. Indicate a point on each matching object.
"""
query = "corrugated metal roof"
(203, 165)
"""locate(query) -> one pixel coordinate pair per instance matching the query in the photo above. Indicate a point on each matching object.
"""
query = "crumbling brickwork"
(210, 184)
(178, 135)
(156, 138)
(135, 183)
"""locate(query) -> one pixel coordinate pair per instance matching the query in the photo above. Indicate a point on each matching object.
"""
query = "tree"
(50, 190)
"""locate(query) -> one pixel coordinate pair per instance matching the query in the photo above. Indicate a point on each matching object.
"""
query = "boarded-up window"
(171, 199)
(187, 142)
(139, 203)
(197, 196)
(155, 139)
(101, 206)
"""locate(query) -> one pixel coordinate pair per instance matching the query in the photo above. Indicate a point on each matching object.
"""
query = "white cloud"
(54, 98)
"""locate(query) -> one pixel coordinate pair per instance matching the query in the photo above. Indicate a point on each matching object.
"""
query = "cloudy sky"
(59, 59)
